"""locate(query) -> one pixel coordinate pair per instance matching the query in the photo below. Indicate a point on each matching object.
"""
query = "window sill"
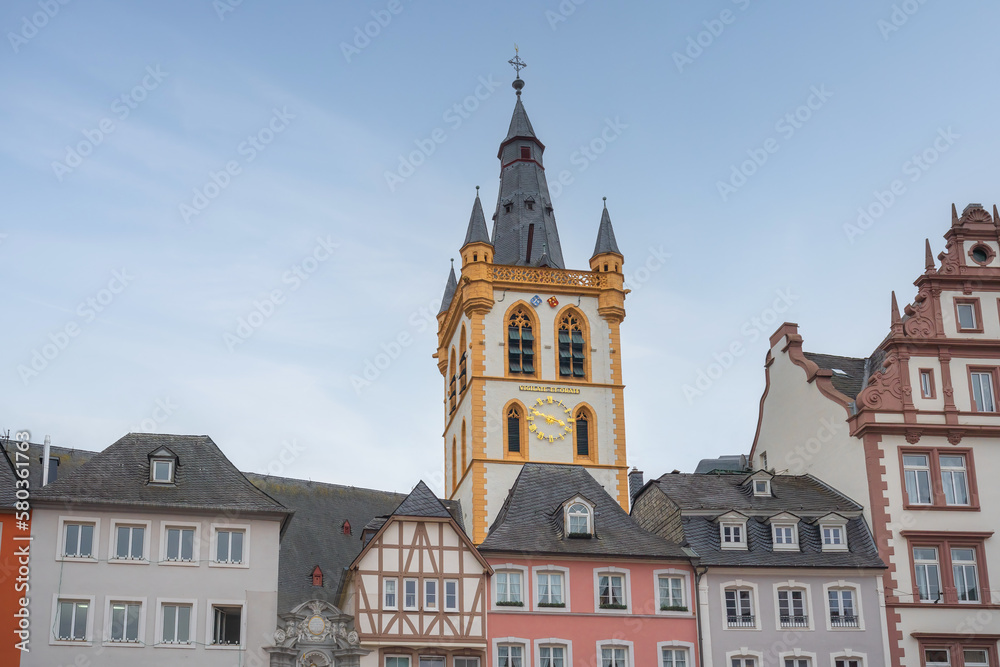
(225, 647)
(174, 645)
(213, 563)
(617, 607)
(181, 563)
(129, 561)
(77, 559)
(580, 536)
(941, 508)
(509, 604)
(123, 644)
(673, 608)
(551, 605)
(71, 642)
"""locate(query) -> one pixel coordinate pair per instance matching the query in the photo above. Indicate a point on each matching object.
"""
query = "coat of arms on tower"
(553, 301)
(536, 301)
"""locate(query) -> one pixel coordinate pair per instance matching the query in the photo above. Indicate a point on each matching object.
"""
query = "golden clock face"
(549, 419)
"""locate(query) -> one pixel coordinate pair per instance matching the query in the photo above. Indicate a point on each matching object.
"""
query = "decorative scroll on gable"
(920, 320)
(950, 262)
(885, 388)
(315, 634)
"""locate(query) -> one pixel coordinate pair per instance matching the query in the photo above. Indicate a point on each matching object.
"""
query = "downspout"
(699, 572)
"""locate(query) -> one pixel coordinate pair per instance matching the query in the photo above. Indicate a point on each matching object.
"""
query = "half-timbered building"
(417, 590)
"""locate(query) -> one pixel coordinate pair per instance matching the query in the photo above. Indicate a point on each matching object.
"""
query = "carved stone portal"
(315, 634)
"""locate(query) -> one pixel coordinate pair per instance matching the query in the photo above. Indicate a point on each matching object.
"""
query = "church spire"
(524, 225)
(606, 234)
(477, 232)
(449, 289)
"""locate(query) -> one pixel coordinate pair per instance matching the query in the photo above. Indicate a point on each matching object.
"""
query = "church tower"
(530, 351)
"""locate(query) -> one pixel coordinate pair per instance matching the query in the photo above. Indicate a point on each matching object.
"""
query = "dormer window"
(833, 532)
(506, 208)
(579, 519)
(733, 530)
(785, 532)
(525, 152)
(762, 487)
(162, 466)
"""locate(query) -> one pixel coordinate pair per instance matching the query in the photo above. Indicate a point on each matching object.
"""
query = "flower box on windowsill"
(552, 604)
(579, 536)
(612, 605)
(667, 607)
(510, 603)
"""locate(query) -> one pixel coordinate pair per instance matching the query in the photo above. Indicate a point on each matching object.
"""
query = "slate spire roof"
(449, 290)
(477, 232)
(422, 502)
(204, 478)
(606, 235)
(524, 224)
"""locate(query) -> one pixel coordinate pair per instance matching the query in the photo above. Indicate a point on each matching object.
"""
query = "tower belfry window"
(582, 434)
(520, 344)
(514, 429)
(526, 152)
(531, 238)
(571, 347)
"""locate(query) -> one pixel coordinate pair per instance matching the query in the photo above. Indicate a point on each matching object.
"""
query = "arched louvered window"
(582, 425)
(514, 430)
(572, 344)
(454, 464)
(463, 354)
(464, 460)
(520, 343)
(452, 394)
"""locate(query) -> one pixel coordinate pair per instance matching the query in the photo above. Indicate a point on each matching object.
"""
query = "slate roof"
(314, 535)
(849, 385)
(421, 502)
(7, 479)
(531, 519)
(449, 291)
(520, 126)
(702, 535)
(737, 463)
(799, 494)
(606, 235)
(477, 232)
(204, 478)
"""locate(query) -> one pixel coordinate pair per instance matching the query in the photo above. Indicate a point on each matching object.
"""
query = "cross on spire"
(517, 63)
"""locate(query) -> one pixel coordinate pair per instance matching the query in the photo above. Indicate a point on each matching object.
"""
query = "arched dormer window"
(572, 346)
(516, 447)
(452, 394)
(584, 427)
(317, 576)
(520, 343)
(462, 355)
(345, 528)
(579, 519)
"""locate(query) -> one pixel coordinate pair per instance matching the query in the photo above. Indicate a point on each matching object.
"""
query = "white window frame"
(409, 659)
(526, 583)
(192, 623)
(988, 383)
(964, 469)
(617, 643)
(196, 546)
(214, 545)
(685, 591)
(848, 655)
(535, 594)
(823, 526)
(458, 595)
(764, 492)
(791, 584)
(395, 593)
(858, 607)
(590, 513)
(61, 539)
(976, 566)
(54, 622)
(525, 645)
(468, 658)
(688, 646)
(754, 603)
(958, 317)
(554, 642)
(141, 638)
(113, 541)
(745, 652)
(917, 470)
(785, 546)
(937, 564)
(797, 654)
(626, 575)
(416, 594)
(742, 543)
(210, 606)
(431, 606)
(171, 468)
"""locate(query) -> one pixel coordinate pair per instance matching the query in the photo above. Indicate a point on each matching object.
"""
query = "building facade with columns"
(911, 432)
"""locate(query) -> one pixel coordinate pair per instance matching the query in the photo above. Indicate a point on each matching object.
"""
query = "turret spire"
(524, 225)
(477, 232)
(928, 255)
(606, 234)
(449, 289)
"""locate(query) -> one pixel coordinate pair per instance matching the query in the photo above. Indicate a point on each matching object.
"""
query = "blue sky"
(173, 168)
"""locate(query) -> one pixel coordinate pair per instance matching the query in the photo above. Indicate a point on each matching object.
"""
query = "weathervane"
(517, 63)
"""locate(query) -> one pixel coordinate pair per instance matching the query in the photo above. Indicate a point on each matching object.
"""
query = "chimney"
(634, 483)
(46, 452)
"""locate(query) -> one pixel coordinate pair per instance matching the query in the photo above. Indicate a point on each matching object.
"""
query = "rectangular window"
(833, 537)
(847, 662)
(180, 544)
(226, 626)
(550, 589)
(739, 608)
(510, 656)
(430, 594)
(71, 624)
(917, 473)
(671, 593)
(409, 594)
(611, 589)
(450, 595)
(842, 612)
(389, 593)
(797, 662)
(128, 542)
(792, 609)
(78, 540)
(732, 534)
(965, 574)
(954, 481)
(928, 571)
(744, 662)
(552, 656)
(982, 391)
(466, 662)
(526, 152)
(613, 657)
(229, 546)
(509, 588)
(967, 311)
(926, 383)
(675, 657)
(976, 657)
(784, 534)
(431, 661)
(176, 624)
(163, 471)
(397, 661)
(937, 657)
(124, 622)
